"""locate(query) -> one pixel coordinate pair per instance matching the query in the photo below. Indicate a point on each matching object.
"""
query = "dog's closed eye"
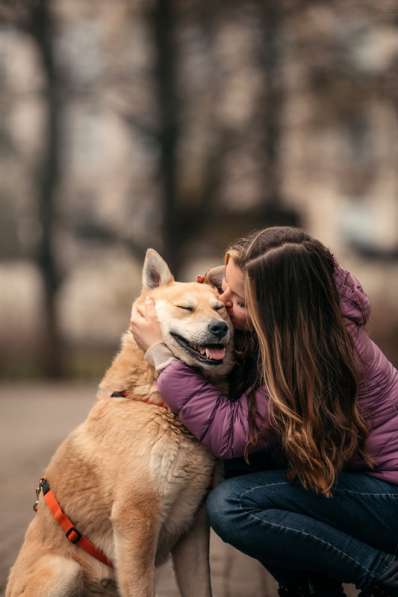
(185, 307)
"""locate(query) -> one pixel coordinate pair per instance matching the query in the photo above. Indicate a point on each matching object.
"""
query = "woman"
(320, 419)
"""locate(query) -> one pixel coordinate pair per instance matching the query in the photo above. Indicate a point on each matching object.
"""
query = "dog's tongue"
(215, 353)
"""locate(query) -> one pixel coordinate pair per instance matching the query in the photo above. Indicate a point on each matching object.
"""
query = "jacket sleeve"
(217, 422)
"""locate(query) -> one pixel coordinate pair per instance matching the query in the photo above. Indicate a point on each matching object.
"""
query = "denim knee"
(222, 509)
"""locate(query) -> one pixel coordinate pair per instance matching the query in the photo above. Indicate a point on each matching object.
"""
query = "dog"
(131, 478)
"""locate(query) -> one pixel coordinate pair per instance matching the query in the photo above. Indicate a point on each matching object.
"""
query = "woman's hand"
(155, 397)
(144, 324)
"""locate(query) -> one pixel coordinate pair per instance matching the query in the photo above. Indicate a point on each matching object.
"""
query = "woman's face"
(233, 295)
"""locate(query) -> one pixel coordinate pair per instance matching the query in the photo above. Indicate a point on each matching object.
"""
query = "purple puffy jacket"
(222, 425)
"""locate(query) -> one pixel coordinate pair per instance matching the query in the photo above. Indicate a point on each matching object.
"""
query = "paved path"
(33, 422)
(34, 419)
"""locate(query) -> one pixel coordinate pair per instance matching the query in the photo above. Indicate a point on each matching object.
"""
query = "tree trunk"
(163, 25)
(42, 30)
(274, 97)
(272, 108)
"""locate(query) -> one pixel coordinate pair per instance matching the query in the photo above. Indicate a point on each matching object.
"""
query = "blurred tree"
(163, 23)
(35, 18)
(272, 103)
(210, 113)
(272, 99)
(42, 27)
(183, 220)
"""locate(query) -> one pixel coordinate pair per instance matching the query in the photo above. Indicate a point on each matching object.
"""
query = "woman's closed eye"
(238, 301)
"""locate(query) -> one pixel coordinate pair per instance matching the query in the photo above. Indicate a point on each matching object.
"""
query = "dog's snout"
(218, 328)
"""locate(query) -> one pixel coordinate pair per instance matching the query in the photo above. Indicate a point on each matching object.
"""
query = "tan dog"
(131, 477)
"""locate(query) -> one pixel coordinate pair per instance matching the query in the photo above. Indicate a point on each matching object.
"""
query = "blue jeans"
(351, 537)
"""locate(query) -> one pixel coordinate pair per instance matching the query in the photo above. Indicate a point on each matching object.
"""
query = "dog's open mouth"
(211, 354)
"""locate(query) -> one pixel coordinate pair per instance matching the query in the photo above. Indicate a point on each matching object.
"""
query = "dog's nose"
(218, 328)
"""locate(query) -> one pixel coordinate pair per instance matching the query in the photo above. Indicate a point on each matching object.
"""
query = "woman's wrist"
(159, 356)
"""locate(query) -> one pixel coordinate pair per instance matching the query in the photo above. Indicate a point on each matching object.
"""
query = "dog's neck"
(129, 372)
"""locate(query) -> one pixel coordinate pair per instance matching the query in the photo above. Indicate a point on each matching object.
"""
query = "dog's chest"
(179, 463)
(182, 471)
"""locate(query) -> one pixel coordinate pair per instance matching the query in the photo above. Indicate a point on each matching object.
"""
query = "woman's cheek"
(239, 318)
(244, 317)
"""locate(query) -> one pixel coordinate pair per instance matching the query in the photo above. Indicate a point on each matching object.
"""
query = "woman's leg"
(259, 461)
(302, 581)
(351, 536)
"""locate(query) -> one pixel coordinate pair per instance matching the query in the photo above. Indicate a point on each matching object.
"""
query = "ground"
(34, 421)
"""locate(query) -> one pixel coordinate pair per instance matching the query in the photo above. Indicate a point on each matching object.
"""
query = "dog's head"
(194, 322)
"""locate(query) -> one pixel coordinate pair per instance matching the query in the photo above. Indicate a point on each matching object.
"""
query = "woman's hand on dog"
(144, 324)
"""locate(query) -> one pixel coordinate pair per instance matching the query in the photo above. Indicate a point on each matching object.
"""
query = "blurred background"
(182, 125)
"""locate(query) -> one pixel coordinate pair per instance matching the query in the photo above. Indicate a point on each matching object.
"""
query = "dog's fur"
(131, 477)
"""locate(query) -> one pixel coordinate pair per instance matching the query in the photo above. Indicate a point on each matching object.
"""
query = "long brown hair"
(308, 362)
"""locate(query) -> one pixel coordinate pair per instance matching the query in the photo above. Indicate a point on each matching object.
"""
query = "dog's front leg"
(191, 558)
(135, 535)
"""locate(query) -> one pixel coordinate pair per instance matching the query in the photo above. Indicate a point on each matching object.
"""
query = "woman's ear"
(214, 276)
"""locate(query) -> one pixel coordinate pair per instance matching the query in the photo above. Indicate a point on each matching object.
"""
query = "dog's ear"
(155, 271)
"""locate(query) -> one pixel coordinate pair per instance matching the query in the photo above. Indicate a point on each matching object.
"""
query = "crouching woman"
(317, 420)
